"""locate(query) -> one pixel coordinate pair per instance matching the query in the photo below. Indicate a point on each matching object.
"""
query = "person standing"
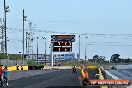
(1, 75)
(21, 66)
(17, 67)
(85, 77)
(5, 76)
(74, 70)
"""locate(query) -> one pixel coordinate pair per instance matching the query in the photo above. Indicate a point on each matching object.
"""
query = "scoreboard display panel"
(62, 49)
(62, 43)
(67, 43)
(55, 38)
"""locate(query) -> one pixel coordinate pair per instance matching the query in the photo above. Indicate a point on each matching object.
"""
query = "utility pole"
(6, 9)
(45, 50)
(29, 41)
(79, 49)
(2, 27)
(37, 49)
(45, 53)
(26, 45)
(24, 19)
(85, 49)
(51, 49)
(85, 52)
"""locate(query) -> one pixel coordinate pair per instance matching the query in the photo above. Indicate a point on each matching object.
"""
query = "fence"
(7, 62)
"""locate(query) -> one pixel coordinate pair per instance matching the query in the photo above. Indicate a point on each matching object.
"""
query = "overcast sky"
(74, 16)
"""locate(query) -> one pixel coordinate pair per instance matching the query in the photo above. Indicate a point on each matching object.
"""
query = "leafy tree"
(128, 60)
(99, 59)
(115, 58)
(102, 59)
(95, 58)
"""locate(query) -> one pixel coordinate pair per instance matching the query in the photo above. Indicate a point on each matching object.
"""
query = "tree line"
(115, 58)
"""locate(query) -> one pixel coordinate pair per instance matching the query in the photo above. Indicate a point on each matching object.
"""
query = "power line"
(91, 34)
(109, 45)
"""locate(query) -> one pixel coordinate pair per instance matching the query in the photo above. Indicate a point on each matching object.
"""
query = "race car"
(92, 67)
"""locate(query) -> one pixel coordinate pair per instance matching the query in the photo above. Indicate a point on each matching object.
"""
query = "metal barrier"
(14, 68)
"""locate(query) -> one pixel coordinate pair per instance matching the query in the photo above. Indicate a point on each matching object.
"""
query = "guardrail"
(14, 68)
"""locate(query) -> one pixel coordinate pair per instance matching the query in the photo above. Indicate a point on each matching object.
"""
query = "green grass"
(2, 56)
(11, 57)
(87, 63)
(33, 63)
(78, 63)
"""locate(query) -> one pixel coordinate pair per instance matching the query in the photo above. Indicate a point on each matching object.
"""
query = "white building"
(63, 57)
(41, 58)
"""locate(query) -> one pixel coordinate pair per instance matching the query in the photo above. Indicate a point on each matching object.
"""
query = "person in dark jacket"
(17, 67)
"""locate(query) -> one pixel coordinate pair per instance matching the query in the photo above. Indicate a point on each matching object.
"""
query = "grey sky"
(74, 16)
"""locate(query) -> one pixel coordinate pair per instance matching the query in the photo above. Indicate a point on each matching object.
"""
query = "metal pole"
(37, 49)
(79, 47)
(51, 48)
(85, 52)
(3, 35)
(5, 29)
(32, 53)
(45, 53)
(23, 36)
(26, 44)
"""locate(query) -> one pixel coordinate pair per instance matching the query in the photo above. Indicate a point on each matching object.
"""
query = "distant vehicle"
(59, 65)
(54, 65)
(113, 67)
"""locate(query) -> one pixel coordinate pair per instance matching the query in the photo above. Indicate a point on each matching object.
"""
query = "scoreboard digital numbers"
(62, 49)
(62, 43)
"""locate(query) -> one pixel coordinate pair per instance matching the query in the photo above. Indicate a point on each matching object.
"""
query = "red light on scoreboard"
(62, 43)
(62, 49)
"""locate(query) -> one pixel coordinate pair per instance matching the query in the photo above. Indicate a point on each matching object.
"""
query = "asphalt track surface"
(122, 73)
(56, 79)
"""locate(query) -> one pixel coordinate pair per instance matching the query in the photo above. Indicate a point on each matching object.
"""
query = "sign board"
(55, 38)
(62, 49)
(62, 43)
(67, 43)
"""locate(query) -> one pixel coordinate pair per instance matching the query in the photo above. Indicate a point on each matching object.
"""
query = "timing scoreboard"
(62, 46)
(62, 43)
